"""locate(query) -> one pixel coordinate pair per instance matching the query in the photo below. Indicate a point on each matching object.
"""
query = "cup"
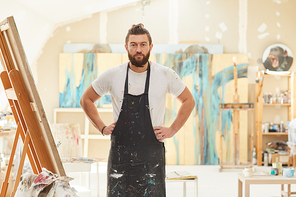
(288, 172)
(247, 172)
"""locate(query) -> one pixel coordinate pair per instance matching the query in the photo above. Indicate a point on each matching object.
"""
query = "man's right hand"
(109, 129)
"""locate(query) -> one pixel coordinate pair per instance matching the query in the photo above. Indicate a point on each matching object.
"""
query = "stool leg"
(184, 189)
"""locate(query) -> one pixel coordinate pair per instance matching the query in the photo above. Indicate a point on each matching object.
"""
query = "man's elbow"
(192, 103)
(81, 102)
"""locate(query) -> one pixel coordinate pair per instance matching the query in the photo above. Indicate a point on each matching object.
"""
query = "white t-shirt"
(162, 80)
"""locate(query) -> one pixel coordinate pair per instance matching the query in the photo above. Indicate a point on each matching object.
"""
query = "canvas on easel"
(25, 103)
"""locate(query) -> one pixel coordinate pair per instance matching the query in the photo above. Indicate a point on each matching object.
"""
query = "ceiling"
(37, 19)
(57, 11)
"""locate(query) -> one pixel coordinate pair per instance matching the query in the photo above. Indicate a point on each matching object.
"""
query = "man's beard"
(139, 63)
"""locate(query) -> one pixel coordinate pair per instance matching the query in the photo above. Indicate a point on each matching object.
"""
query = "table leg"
(240, 189)
(184, 189)
(98, 179)
(289, 190)
(196, 187)
(247, 190)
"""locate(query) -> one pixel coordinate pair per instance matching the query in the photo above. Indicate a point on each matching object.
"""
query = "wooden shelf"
(287, 112)
(280, 75)
(275, 133)
(285, 104)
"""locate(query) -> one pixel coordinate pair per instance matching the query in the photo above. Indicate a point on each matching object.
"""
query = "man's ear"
(126, 48)
(151, 46)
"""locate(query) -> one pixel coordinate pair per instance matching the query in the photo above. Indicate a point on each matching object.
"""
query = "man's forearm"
(92, 114)
(183, 114)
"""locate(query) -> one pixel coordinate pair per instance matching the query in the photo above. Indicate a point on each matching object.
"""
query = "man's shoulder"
(118, 68)
(159, 67)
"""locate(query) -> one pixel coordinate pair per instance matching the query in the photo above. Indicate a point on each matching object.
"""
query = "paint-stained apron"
(136, 164)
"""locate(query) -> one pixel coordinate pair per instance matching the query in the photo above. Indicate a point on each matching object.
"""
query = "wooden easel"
(236, 107)
(27, 109)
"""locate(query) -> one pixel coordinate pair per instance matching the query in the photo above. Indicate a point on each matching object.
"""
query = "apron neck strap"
(147, 79)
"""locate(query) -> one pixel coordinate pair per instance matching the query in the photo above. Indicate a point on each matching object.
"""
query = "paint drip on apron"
(136, 164)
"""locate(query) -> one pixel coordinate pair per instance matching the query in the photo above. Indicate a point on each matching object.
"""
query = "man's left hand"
(162, 133)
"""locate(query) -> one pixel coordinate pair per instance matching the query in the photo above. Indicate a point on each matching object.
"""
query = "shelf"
(275, 133)
(280, 75)
(276, 104)
(266, 112)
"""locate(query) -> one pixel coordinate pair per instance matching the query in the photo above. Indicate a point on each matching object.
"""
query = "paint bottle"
(254, 159)
(265, 158)
(282, 128)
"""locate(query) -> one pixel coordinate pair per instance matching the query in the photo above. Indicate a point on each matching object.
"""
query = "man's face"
(138, 49)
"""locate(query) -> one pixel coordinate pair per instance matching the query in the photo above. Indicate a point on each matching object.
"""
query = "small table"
(82, 164)
(185, 180)
(262, 179)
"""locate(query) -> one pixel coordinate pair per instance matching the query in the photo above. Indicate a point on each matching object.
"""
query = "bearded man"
(138, 88)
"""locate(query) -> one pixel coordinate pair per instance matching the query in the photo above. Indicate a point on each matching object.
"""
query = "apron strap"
(146, 83)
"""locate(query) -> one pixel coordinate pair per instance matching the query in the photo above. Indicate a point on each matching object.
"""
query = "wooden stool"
(185, 180)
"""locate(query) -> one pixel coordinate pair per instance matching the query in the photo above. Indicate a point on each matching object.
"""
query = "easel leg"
(19, 172)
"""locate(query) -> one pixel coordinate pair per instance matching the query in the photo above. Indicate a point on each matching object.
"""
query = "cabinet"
(273, 112)
(93, 143)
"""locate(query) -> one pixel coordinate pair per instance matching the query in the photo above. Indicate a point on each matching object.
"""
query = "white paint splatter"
(151, 175)
(208, 2)
(278, 24)
(207, 39)
(218, 35)
(68, 28)
(207, 28)
(278, 36)
(223, 27)
(262, 27)
(278, 1)
(116, 176)
(68, 42)
(261, 36)
(207, 16)
(277, 13)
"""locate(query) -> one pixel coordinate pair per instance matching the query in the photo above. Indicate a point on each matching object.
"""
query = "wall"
(197, 20)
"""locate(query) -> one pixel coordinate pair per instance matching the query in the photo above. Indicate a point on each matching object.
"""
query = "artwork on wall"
(76, 73)
(210, 79)
(277, 57)
(157, 48)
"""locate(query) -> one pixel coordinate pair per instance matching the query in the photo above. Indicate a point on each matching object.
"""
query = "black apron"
(136, 164)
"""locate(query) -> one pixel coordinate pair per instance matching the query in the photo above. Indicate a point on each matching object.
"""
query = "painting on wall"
(277, 57)
(76, 73)
(210, 79)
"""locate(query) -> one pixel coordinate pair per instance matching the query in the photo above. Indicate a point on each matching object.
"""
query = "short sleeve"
(102, 84)
(175, 85)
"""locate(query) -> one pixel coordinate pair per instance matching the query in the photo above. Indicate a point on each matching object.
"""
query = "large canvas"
(210, 79)
(76, 73)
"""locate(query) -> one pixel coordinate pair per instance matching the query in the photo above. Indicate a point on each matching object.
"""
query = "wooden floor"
(211, 182)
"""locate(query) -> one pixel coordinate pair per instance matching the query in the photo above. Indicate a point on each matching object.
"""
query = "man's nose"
(139, 49)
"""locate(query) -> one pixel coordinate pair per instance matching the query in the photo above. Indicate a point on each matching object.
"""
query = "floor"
(211, 182)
